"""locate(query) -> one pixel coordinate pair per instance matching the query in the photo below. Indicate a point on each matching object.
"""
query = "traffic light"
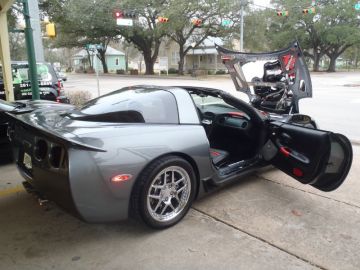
(130, 14)
(50, 30)
(196, 22)
(282, 13)
(117, 14)
(163, 19)
(309, 10)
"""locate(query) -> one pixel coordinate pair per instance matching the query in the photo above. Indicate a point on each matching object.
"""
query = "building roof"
(109, 51)
(208, 42)
(202, 51)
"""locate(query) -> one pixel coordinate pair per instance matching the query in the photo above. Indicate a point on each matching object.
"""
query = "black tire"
(140, 193)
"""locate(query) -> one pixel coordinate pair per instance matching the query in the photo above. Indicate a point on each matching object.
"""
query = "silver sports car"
(150, 151)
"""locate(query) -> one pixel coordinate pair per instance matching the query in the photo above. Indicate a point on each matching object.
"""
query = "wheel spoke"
(172, 207)
(180, 189)
(162, 211)
(157, 197)
(156, 186)
(177, 199)
(172, 177)
(157, 206)
(179, 180)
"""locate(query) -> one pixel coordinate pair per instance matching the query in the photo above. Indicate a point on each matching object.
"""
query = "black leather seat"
(218, 155)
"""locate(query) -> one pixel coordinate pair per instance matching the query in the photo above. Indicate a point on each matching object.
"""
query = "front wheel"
(165, 192)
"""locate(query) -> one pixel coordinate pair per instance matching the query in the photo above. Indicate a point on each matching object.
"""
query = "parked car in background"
(61, 75)
(50, 85)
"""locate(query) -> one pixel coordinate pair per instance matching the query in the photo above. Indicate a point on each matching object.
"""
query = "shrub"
(163, 72)
(220, 72)
(172, 71)
(120, 71)
(79, 98)
(211, 72)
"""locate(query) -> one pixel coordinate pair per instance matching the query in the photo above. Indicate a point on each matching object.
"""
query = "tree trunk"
(149, 63)
(332, 65)
(89, 59)
(103, 60)
(181, 62)
(317, 58)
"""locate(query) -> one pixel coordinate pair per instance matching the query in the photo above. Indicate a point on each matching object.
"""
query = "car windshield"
(205, 100)
(21, 72)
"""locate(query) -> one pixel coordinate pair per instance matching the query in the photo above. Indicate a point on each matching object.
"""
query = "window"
(175, 58)
(133, 105)
(116, 61)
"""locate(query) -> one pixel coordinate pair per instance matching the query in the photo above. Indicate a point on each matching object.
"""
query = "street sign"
(124, 22)
(226, 22)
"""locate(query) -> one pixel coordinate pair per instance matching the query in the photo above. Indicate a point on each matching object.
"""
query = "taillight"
(59, 87)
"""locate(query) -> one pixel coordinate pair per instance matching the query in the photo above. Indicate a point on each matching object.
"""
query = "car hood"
(285, 68)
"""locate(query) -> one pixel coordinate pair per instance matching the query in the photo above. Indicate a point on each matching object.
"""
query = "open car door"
(273, 81)
(316, 157)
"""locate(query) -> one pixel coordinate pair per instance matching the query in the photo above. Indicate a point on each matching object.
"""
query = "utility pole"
(31, 52)
(35, 23)
(242, 4)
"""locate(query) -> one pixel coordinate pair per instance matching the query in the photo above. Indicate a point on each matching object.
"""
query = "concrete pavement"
(266, 221)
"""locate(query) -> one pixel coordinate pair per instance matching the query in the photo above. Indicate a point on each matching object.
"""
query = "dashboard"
(223, 115)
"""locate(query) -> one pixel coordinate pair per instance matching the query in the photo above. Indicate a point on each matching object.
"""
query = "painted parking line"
(10, 191)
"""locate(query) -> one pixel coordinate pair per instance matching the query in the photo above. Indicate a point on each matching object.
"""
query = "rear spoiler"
(57, 136)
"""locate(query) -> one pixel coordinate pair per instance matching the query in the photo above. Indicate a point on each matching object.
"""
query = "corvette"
(150, 151)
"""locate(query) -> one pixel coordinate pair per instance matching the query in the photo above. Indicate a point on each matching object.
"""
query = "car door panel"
(316, 157)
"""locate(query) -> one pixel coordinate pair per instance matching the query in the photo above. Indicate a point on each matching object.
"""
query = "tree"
(255, 30)
(146, 34)
(80, 22)
(331, 30)
(342, 31)
(184, 32)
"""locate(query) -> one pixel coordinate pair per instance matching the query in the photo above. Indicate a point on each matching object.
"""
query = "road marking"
(10, 191)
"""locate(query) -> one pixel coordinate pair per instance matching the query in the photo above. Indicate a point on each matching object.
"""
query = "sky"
(262, 2)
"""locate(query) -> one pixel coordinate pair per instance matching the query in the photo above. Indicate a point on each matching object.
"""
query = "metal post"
(31, 53)
(242, 25)
(97, 71)
(193, 62)
(35, 23)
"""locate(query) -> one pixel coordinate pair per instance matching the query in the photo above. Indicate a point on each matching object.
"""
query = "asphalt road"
(335, 104)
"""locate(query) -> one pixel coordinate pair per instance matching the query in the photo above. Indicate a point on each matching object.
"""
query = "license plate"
(27, 161)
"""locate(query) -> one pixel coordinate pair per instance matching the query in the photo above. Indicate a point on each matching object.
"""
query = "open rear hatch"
(274, 81)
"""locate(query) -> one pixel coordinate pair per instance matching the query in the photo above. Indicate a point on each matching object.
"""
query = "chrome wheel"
(168, 194)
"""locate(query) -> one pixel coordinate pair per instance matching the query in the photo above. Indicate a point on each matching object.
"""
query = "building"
(115, 60)
(203, 58)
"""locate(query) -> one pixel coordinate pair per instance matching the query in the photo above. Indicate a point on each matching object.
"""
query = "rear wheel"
(165, 192)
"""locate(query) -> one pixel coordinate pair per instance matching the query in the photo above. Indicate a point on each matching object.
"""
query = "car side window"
(154, 105)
